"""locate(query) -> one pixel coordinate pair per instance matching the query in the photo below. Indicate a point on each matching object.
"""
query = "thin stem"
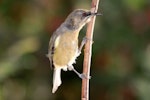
(87, 53)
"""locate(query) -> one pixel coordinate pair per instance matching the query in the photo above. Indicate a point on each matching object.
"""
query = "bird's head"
(78, 18)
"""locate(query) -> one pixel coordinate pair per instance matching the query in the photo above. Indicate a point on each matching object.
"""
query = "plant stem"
(88, 52)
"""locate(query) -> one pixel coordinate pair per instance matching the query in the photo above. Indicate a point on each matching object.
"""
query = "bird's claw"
(83, 76)
(85, 39)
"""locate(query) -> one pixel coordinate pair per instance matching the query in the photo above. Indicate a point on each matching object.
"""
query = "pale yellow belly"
(65, 51)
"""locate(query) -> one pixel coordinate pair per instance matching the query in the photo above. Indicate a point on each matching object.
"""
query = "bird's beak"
(97, 14)
(92, 14)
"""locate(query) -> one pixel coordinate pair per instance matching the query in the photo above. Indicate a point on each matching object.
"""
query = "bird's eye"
(86, 14)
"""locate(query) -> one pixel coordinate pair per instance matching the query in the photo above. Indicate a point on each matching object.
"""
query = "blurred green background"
(120, 67)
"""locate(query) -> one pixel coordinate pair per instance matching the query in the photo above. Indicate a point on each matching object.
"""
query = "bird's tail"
(56, 79)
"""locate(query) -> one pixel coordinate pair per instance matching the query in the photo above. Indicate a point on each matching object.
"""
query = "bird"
(63, 45)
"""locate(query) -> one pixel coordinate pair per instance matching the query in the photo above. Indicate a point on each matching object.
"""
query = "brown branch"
(87, 52)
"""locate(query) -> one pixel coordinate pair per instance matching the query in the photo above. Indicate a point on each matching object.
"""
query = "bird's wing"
(51, 48)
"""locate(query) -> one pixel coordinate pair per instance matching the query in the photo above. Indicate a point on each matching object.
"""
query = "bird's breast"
(66, 48)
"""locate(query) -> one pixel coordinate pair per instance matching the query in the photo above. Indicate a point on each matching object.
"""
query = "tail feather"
(56, 79)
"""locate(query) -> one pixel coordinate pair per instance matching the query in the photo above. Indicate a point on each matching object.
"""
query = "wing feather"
(52, 47)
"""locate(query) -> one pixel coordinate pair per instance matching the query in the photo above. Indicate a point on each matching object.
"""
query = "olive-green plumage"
(66, 48)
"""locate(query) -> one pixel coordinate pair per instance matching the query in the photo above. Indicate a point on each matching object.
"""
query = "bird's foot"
(83, 76)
